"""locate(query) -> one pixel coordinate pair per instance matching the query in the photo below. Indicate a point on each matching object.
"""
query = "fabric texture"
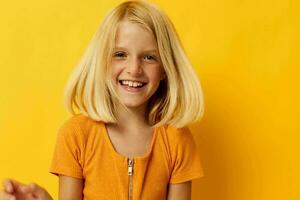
(84, 150)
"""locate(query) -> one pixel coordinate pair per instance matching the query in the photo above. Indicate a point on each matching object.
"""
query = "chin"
(133, 105)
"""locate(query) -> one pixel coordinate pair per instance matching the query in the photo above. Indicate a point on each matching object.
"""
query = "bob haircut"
(178, 99)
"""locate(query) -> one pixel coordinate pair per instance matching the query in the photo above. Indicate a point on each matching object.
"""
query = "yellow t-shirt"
(84, 150)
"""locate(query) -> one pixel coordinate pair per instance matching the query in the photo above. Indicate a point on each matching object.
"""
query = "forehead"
(133, 35)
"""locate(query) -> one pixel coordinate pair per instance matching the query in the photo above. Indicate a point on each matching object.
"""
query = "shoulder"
(179, 135)
(78, 126)
(81, 121)
(181, 141)
(76, 120)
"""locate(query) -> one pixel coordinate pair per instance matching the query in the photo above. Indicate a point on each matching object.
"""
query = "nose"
(134, 66)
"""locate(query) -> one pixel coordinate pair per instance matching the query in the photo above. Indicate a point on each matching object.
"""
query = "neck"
(132, 119)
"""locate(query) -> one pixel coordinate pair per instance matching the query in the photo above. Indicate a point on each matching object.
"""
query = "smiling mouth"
(132, 84)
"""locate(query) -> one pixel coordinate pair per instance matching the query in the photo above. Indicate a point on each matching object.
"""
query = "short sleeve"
(186, 158)
(68, 153)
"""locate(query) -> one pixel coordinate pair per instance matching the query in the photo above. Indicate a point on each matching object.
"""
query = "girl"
(136, 92)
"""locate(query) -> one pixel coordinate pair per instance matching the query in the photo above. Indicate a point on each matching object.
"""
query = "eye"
(120, 54)
(150, 57)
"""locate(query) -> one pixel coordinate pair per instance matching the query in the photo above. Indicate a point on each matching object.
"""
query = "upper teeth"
(132, 83)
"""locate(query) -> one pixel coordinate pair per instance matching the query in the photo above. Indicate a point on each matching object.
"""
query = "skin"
(14, 190)
(135, 57)
(136, 62)
(180, 191)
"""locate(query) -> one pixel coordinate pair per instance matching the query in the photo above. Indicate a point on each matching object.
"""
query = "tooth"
(130, 84)
(135, 84)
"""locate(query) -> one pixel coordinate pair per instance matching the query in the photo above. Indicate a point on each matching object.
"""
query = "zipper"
(130, 174)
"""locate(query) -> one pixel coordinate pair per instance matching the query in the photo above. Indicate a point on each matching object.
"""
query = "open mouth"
(132, 84)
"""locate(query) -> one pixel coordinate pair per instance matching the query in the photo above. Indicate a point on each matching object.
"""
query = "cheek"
(156, 74)
(115, 72)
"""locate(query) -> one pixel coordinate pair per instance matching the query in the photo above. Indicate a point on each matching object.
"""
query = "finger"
(30, 188)
(36, 191)
(8, 186)
(16, 183)
(11, 185)
(6, 196)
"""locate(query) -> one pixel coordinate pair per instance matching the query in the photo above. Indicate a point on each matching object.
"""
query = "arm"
(180, 191)
(70, 188)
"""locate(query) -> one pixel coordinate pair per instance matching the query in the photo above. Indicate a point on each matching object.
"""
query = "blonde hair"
(179, 98)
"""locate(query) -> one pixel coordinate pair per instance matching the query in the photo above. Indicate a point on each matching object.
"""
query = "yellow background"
(245, 53)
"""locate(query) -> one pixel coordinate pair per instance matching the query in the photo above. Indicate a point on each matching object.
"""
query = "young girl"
(135, 91)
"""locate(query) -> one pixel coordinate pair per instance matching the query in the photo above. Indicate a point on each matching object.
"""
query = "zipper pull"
(130, 167)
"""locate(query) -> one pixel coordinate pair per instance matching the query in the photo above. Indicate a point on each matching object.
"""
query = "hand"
(14, 190)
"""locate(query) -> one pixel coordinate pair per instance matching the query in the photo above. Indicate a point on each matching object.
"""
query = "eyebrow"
(146, 51)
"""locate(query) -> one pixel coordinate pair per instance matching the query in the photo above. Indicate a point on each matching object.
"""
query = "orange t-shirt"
(84, 150)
